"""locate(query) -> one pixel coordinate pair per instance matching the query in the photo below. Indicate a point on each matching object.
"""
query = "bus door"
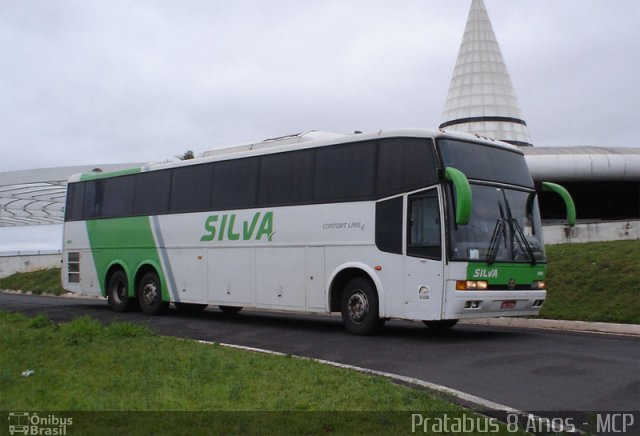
(424, 270)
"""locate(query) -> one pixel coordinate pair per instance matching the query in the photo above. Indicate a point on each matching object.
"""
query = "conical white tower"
(481, 97)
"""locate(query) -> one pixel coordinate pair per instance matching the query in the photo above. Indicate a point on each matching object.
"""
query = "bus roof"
(298, 141)
(318, 138)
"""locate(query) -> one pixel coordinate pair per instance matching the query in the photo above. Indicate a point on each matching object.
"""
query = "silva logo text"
(226, 227)
(483, 273)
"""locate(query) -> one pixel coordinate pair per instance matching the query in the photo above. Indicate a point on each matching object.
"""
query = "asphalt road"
(526, 369)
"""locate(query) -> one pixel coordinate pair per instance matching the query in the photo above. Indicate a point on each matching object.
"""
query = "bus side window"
(423, 231)
(389, 225)
(117, 197)
(93, 199)
(75, 200)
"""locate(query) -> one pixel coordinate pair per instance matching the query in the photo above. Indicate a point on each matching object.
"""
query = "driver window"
(423, 231)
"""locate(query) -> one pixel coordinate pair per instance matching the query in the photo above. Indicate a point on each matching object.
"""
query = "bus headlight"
(471, 285)
(538, 284)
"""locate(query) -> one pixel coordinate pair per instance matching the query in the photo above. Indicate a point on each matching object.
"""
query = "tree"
(186, 155)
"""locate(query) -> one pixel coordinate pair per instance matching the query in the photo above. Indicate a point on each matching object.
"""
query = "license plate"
(508, 304)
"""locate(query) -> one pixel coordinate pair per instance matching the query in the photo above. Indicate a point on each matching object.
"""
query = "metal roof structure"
(583, 163)
(36, 197)
(481, 98)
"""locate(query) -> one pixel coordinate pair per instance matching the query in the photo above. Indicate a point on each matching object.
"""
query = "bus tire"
(359, 307)
(440, 325)
(150, 294)
(190, 308)
(230, 310)
(118, 293)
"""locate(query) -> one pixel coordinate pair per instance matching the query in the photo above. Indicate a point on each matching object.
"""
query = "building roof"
(583, 163)
(481, 97)
(35, 197)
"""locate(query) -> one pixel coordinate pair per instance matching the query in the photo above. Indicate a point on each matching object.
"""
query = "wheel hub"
(149, 293)
(121, 292)
(358, 305)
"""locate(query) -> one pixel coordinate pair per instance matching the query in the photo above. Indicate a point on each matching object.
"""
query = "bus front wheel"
(359, 307)
(150, 295)
(118, 293)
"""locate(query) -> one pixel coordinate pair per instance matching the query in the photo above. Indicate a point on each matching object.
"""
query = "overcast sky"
(112, 81)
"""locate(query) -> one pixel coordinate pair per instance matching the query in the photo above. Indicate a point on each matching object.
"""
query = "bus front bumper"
(487, 304)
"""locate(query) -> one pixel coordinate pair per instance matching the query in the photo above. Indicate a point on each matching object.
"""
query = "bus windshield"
(484, 162)
(504, 226)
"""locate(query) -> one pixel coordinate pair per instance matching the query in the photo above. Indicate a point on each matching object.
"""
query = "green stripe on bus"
(501, 273)
(96, 175)
(128, 242)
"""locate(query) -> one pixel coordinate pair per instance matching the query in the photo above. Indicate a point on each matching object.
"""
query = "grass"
(598, 281)
(46, 281)
(85, 366)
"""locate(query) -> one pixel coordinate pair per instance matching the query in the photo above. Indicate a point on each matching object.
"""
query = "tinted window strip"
(376, 195)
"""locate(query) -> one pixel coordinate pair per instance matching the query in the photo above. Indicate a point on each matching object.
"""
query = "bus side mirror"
(566, 197)
(463, 194)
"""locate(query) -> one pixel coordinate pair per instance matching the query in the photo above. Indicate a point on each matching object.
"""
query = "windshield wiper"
(494, 244)
(525, 242)
(496, 238)
(515, 225)
(507, 230)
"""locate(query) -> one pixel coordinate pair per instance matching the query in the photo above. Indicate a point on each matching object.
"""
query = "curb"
(65, 295)
(553, 324)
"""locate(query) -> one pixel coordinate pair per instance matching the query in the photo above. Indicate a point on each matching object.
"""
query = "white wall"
(593, 232)
(11, 263)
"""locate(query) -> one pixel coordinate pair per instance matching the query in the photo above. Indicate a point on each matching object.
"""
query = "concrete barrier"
(592, 232)
(27, 261)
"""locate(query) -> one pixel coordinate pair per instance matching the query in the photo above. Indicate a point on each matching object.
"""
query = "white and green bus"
(412, 224)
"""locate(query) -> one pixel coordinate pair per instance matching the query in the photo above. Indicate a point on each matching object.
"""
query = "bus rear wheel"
(118, 293)
(150, 294)
(359, 307)
(440, 325)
